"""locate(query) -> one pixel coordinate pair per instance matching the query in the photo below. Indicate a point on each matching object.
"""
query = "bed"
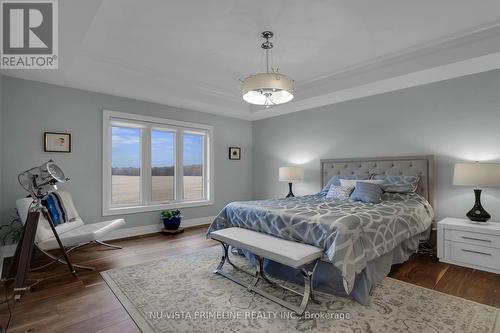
(360, 241)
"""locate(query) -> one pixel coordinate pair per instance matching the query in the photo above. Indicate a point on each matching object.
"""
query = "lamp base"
(290, 193)
(477, 213)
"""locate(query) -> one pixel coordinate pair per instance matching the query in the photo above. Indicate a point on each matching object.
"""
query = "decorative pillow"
(339, 192)
(353, 182)
(55, 207)
(400, 184)
(335, 180)
(367, 192)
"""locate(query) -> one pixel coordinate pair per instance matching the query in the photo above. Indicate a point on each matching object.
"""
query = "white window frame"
(149, 123)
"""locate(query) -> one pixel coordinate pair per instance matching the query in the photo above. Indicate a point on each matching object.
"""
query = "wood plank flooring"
(61, 303)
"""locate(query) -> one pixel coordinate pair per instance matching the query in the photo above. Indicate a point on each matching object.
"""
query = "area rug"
(181, 294)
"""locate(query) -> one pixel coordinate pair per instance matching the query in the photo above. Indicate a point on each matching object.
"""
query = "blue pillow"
(400, 184)
(55, 207)
(335, 180)
(367, 192)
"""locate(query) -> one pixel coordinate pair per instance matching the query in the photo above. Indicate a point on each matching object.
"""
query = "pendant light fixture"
(269, 88)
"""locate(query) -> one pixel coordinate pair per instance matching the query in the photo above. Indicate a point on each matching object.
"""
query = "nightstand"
(469, 244)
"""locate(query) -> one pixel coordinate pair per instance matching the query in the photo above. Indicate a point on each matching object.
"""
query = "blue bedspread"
(350, 233)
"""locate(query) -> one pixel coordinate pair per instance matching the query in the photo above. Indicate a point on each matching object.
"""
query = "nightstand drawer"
(470, 237)
(473, 254)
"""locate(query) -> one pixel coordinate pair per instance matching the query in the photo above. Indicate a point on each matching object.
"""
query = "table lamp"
(478, 175)
(290, 175)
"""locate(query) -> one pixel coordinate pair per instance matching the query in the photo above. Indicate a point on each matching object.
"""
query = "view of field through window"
(126, 165)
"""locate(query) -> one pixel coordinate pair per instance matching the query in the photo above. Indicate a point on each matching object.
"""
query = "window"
(153, 164)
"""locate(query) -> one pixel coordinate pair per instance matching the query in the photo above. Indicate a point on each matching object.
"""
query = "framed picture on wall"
(234, 153)
(57, 142)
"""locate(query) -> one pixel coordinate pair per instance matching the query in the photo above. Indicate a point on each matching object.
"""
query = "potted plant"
(171, 219)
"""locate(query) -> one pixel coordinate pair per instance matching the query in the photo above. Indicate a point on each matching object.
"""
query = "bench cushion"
(286, 252)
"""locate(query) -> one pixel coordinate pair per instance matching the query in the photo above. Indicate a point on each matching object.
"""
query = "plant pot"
(171, 223)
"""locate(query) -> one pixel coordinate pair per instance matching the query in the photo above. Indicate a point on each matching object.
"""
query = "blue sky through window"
(162, 145)
(193, 149)
(126, 144)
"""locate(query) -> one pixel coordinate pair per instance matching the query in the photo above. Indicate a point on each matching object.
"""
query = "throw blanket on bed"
(350, 233)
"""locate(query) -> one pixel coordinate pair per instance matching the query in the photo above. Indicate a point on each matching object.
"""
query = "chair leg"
(114, 247)
(54, 259)
(61, 261)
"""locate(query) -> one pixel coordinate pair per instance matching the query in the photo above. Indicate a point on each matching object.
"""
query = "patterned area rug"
(181, 294)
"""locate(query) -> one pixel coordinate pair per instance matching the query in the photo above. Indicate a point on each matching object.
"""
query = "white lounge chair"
(73, 235)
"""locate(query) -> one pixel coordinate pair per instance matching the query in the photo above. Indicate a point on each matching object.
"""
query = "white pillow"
(352, 182)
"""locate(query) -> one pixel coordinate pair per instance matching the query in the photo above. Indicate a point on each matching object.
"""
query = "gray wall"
(1, 141)
(30, 108)
(456, 120)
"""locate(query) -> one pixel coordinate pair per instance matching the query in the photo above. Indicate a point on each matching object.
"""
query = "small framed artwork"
(57, 142)
(234, 153)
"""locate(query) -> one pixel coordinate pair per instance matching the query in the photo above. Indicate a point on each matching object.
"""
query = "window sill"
(151, 208)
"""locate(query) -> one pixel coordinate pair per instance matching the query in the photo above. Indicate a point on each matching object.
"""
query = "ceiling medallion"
(269, 88)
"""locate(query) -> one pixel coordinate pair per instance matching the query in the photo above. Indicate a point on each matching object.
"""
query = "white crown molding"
(440, 73)
(434, 46)
(363, 79)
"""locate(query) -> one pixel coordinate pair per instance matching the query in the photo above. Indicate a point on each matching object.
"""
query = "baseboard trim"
(153, 228)
(9, 250)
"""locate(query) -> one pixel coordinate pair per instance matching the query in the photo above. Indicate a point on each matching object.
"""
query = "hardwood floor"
(61, 303)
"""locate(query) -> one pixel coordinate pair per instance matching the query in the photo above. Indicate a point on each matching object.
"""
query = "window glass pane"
(193, 166)
(162, 165)
(126, 165)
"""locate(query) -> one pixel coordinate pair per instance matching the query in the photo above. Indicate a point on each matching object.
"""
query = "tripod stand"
(21, 264)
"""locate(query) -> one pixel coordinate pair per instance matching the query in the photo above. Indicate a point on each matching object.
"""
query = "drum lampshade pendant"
(270, 88)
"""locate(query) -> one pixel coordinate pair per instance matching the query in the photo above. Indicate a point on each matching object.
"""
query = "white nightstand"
(469, 244)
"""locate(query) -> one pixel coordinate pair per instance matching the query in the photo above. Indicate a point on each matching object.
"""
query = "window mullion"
(107, 168)
(179, 170)
(146, 179)
(206, 167)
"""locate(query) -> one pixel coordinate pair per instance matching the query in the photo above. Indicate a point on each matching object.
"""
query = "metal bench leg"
(307, 292)
(219, 270)
(260, 274)
(263, 273)
(223, 259)
(311, 281)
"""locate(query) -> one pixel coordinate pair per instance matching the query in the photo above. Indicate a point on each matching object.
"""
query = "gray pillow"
(399, 184)
(367, 192)
(335, 180)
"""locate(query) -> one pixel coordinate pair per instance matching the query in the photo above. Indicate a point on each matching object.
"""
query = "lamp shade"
(477, 174)
(267, 89)
(290, 174)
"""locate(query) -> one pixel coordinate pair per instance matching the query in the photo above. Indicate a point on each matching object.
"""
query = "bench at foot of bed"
(297, 255)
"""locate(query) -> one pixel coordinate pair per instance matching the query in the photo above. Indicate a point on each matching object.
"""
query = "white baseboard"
(9, 250)
(152, 228)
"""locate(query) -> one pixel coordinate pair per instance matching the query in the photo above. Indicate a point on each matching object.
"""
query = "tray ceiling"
(192, 54)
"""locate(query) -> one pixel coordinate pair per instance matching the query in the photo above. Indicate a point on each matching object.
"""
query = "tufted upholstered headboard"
(423, 166)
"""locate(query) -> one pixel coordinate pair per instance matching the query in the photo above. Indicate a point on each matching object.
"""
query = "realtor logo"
(29, 36)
